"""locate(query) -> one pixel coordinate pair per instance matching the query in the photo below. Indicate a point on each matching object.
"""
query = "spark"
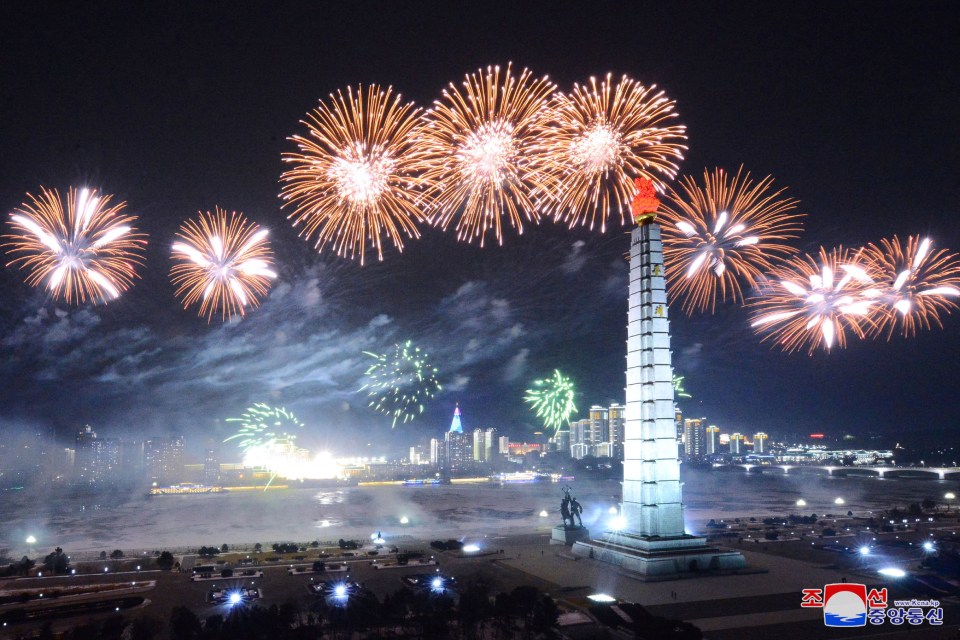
(607, 135)
(915, 284)
(552, 399)
(486, 144)
(399, 382)
(357, 180)
(815, 300)
(223, 262)
(723, 235)
(88, 250)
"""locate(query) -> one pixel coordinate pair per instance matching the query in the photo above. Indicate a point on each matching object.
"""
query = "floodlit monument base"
(659, 558)
(568, 535)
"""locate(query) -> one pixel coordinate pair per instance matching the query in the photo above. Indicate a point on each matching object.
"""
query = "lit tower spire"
(455, 426)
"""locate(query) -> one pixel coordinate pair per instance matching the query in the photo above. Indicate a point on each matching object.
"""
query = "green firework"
(552, 399)
(400, 381)
(262, 424)
(678, 389)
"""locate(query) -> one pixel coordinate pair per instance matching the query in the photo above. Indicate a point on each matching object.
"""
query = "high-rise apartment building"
(97, 459)
(211, 467)
(163, 458)
(503, 445)
(599, 425)
(713, 439)
(760, 442)
(618, 421)
(694, 438)
(736, 443)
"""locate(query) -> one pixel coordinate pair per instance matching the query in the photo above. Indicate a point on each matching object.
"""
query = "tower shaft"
(652, 504)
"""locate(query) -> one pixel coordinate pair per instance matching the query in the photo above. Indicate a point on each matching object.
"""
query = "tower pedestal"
(659, 558)
(653, 541)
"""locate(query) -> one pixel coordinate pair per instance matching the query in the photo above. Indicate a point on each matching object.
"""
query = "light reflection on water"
(136, 521)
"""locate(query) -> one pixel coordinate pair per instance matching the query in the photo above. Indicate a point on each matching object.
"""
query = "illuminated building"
(163, 457)
(736, 443)
(485, 445)
(458, 449)
(617, 424)
(760, 442)
(436, 452)
(561, 441)
(503, 447)
(211, 467)
(713, 437)
(599, 425)
(97, 459)
(694, 437)
(455, 425)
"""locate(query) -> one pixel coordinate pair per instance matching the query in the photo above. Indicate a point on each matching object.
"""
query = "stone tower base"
(655, 558)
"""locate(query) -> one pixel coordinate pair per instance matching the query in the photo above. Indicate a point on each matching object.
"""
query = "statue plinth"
(568, 535)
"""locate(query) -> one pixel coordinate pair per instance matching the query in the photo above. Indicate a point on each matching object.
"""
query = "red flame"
(645, 203)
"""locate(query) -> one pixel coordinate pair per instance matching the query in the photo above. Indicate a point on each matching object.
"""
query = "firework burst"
(487, 145)
(606, 136)
(262, 425)
(223, 262)
(811, 301)
(915, 284)
(400, 382)
(730, 230)
(86, 251)
(357, 178)
(552, 399)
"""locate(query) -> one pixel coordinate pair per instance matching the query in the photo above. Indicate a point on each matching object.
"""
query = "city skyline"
(490, 320)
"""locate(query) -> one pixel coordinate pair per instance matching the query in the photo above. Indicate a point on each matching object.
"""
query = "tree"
(103, 555)
(224, 548)
(116, 554)
(184, 624)
(319, 566)
(545, 615)
(23, 567)
(57, 561)
(165, 561)
(257, 547)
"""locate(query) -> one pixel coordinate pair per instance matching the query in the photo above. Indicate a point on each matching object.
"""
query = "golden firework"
(488, 151)
(222, 261)
(915, 284)
(86, 251)
(810, 301)
(357, 175)
(723, 234)
(607, 134)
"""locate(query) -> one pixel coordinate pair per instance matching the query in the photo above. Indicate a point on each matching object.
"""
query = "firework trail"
(678, 389)
(607, 135)
(357, 177)
(86, 251)
(815, 300)
(487, 146)
(552, 399)
(400, 382)
(223, 262)
(730, 230)
(915, 284)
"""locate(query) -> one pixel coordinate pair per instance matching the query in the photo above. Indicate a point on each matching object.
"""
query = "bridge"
(879, 471)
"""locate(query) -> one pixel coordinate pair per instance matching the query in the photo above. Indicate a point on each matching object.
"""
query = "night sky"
(855, 108)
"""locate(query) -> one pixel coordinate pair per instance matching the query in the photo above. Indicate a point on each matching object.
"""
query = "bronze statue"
(569, 507)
